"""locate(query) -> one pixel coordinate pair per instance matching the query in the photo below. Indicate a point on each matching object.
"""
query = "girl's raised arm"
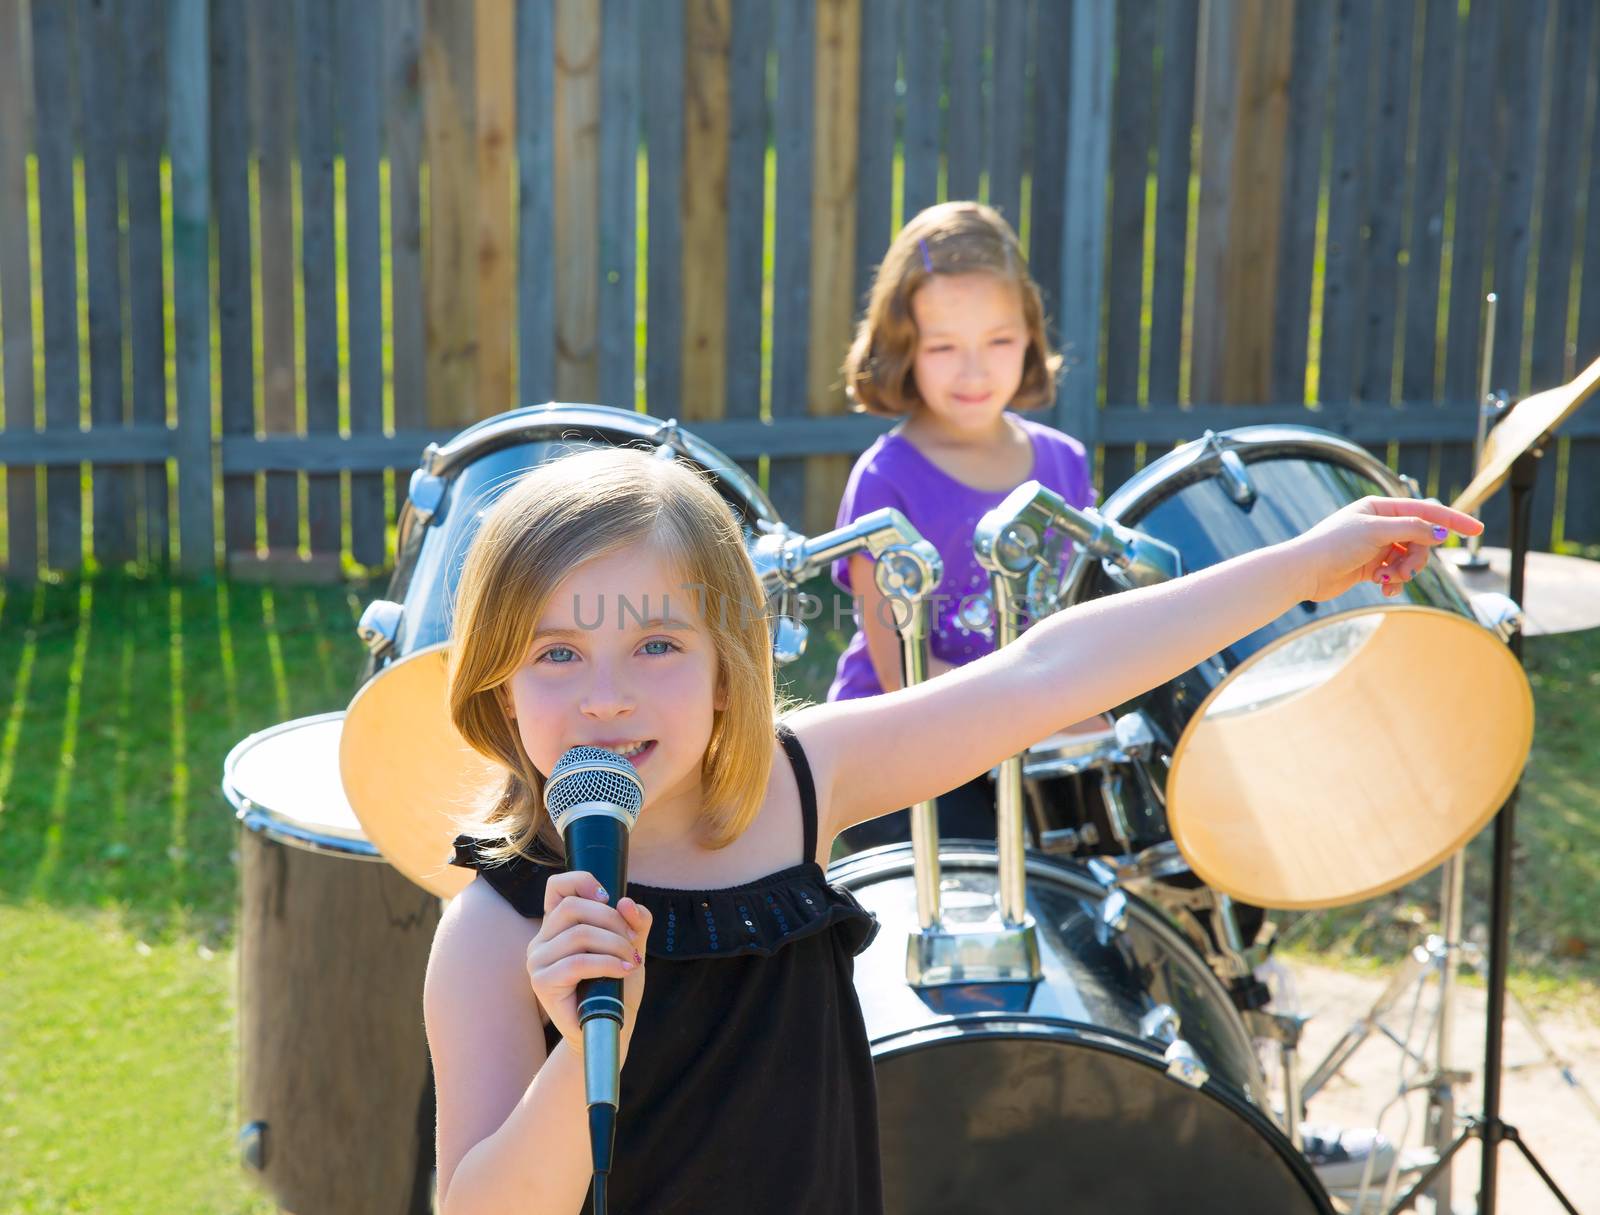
(875, 755)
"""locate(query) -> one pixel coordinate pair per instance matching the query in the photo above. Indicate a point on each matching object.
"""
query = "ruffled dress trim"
(756, 919)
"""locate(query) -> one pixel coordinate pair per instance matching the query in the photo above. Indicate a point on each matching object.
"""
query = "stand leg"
(1553, 1057)
(1550, 1184)
(1359, 1032)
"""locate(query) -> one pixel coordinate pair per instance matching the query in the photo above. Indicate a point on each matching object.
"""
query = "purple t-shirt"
(945, 512)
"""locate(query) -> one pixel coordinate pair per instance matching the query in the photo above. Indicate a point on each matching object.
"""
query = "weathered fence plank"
(1302, 183)
(747, 205)
(188, 138)
(1384, 201)
(403, 141)
(230, 184)
(273, 89)
(1179, 49)
(314, 115)
(1051, 46)
(1007, 110)
(791, 287)
(1132, 116)
(493, 264)
(53, 78)
(359, 96)
(1582, 522)
(1084, 219)
(449, 152)
(875, 143)
(1425, 243)
(923, 41)
(691, 305)
(833, 237)
(536, 235)
(617, 215)
(1245, 105)
(100, 65)
(16, 300)
(577, 252)
(664, 104)
(1343, 281)
(964, 94)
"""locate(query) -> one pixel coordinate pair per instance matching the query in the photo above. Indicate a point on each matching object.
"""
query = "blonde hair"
(560, 515)
(951, 238)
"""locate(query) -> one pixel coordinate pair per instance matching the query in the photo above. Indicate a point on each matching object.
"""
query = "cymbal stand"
(1489, 1127)
(1489, 406)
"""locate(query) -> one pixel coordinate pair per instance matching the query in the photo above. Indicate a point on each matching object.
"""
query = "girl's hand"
(1382, 540)
(583, 937)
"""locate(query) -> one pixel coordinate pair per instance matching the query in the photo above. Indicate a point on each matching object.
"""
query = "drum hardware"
(1230, 470)
(1010, 538)
(1161, 1024)
(946, 950)
(1283, 1030)
(426, 495)
(784, 559)
(379, 627)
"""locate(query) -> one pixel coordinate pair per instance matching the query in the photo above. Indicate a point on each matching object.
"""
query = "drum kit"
(1067, 1010)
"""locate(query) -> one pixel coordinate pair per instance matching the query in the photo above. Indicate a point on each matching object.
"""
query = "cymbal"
(1529, 420)
(1563, 593)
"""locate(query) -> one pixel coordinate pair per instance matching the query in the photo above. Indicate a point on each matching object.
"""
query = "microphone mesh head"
(593, 774)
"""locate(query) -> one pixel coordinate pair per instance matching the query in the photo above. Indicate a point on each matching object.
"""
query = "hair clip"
(927, 262)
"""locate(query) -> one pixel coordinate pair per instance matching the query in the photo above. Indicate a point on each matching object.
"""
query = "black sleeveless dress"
(749, 1085)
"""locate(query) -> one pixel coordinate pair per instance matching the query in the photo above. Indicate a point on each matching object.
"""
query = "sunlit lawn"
(119, 700)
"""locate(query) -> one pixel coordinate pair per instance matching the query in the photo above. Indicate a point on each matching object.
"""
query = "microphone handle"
(598, 844)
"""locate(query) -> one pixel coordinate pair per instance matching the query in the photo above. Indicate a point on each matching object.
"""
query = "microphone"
(593, 797)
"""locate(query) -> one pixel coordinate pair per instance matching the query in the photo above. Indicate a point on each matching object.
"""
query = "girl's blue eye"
(558, 654)
(659, 641)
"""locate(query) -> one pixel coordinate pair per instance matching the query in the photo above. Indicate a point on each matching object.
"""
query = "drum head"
(284, 783)
(408, 772)
(1345, 747)
(1318, 779)
(1039, 1118)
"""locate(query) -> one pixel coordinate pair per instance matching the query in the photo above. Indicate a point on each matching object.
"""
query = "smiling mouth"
(632, 752)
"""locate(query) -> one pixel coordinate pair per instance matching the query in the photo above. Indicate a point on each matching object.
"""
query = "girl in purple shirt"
(953, 342)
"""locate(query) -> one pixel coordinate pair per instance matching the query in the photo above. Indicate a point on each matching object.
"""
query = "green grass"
(119, 700)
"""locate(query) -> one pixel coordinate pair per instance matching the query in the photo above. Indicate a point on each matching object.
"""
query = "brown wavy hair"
(951, 238)
(555, 518)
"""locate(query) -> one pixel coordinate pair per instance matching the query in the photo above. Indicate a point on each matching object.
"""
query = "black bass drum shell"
(1047, 1097)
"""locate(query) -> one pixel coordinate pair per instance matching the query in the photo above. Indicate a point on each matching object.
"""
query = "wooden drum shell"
(333, 1057)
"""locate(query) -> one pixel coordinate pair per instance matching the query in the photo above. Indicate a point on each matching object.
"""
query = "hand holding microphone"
(578, 971)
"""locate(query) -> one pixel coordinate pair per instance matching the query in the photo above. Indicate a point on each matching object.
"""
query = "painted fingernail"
(636, 956)
(1440, 532)
(627, 966)
(1383, 578)
(600, 893)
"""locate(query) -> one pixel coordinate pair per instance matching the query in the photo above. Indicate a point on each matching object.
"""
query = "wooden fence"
(254, 255)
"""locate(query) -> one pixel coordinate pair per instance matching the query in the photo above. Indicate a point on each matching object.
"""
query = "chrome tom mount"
(1019, 542)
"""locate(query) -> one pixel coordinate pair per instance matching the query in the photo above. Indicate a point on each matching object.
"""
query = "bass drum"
(1123, 1080)
(408, 798)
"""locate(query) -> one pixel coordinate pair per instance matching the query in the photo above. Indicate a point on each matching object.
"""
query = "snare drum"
(1124, 1080)
(335, 1093)
(1307, 765)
